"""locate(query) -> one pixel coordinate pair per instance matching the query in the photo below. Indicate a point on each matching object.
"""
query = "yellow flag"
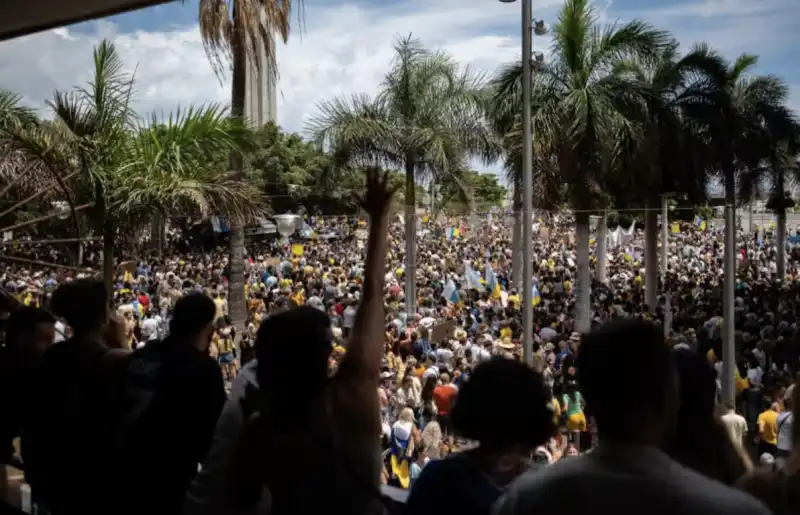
(676, 228)
(297, 249)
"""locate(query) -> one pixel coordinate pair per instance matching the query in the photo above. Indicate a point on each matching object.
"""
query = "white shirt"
(61, 332)
(432, 371)
(150, 329)
(785, 422)
(407, 397)
(754, 376)
(445, 356)
(736, 426)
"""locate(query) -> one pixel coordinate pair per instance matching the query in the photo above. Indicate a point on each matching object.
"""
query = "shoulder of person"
(541, 486)
(718, 497)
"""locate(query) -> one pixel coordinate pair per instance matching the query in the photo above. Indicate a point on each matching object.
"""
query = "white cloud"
(344, 49)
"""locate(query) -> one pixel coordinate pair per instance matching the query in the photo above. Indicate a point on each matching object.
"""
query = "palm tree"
(579, 108)
(236, 32)
(778, 144)
(125, 167)
(732, 112)
(668, 151)
(427, 119)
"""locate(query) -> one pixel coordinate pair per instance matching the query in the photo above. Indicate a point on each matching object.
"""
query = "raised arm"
(365, 349)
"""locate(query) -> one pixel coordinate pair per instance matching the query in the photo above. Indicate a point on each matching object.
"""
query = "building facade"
(260, 101)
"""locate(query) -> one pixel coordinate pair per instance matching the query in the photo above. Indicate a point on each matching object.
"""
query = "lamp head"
(540, 28)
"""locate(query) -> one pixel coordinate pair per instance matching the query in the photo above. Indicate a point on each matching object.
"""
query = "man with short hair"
(635, 413)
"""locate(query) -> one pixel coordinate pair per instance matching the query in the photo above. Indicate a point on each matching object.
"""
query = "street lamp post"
(529, 58)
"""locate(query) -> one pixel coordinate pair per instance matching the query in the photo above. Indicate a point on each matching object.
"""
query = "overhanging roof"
(21, 17)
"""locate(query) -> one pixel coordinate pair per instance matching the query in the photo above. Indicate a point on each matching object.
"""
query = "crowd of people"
(112, 410)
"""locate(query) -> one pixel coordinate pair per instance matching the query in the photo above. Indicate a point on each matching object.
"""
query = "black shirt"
(174, 395)
(67, 427)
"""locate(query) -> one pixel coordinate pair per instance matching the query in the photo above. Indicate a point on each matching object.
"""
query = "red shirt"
(444, 396)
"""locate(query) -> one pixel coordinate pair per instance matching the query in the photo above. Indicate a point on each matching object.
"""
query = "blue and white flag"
(450, 292)
(492, 284)
(536, 297)
(472, 280)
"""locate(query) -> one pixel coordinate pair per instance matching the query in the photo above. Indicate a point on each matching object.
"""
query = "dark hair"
(22, 322)
(82, 303)
(299, 337)
(636, 347)
(192, 314)
(488, 410)
(700, 441)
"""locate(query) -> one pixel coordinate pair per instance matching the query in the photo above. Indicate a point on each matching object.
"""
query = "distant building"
(260, 100)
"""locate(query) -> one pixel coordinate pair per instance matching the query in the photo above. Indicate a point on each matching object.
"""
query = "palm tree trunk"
(601, 248)
(728, 344)
(109, 233)
(411, 243)
(583, 283)
(237, 307)
(651, 259)
(107, 230)
(781, 222)
(516, 241)
(781, 243)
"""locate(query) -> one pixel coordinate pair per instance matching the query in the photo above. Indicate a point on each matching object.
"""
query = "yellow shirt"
(556, 410)
(741, 383)
(220, 305)
(513, 301)
(506, 332)
(768, 426)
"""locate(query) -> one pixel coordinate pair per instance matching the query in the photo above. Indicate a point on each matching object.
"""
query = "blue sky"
(345, 46)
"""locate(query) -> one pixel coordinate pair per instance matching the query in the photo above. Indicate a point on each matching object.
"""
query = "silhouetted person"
(488, 410)
(29, 332)
(627, 377)
(700, 441)
(173, 395)
(69, 427)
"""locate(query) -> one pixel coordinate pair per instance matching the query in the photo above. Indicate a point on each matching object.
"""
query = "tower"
(260, 97)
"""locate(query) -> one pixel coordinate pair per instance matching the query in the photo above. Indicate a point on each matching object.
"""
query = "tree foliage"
(471, 192)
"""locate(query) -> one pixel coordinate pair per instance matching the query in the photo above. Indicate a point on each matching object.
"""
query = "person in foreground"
(635, 413)
(67, 430)
(469, 482)
(172, 396)
(318, 443)
(701, 442)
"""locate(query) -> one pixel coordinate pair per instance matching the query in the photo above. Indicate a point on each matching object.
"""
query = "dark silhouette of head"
(29, 331)
(192, 320)
(488, 409)
(625, 373)
(292, 348)
(83, 304)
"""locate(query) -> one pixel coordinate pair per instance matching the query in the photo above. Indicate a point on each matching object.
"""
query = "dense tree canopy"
(470, 192)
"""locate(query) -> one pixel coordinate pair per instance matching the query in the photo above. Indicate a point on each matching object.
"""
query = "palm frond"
(254, 22)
